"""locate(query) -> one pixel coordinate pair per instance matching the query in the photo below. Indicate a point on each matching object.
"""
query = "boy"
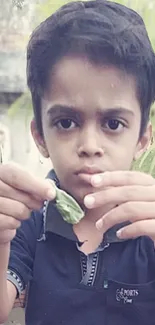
(91, 73)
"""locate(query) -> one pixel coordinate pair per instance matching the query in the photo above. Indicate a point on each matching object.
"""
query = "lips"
(85, 173)
(90, 170)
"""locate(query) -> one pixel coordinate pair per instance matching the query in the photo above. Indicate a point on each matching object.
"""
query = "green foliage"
(146, 163)
(49, 6)
(23, 103)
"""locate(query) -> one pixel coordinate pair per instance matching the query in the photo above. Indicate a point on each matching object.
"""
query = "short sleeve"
(22, 252)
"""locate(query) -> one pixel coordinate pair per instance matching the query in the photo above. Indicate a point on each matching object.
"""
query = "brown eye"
(114, 125)
(66, 124)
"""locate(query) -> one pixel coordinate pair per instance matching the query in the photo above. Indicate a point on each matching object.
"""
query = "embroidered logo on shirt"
(126, 295)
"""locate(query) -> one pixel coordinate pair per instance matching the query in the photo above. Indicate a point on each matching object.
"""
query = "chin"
(79, 196)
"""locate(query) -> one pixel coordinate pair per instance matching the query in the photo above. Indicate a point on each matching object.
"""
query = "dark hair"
(104, 31)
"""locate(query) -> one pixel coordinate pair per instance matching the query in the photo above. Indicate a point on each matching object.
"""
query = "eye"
(114, 125)
(66, 124)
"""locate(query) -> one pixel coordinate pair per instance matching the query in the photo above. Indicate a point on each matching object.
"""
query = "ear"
(144, 142)
(39, 140)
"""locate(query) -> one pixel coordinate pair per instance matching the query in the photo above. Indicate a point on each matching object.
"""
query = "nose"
(90, 144)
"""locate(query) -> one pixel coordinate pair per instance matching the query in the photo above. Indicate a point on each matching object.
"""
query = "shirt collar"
(54, 222)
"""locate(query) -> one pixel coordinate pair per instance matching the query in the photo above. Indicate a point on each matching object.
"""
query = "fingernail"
(96, 180)
(99, 224)
(119, 233)
(89, 201)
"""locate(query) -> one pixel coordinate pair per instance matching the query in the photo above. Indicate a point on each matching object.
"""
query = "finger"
(7, 222)
(137, 229)
(14, 209)
(7, 235)
(20, 179)
(130, 211)
(119, 195)
(30, 201)
(121, 178)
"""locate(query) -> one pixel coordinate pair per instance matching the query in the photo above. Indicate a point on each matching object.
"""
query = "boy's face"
(91, 122)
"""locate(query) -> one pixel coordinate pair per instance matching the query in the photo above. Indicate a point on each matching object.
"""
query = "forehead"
(78, 82)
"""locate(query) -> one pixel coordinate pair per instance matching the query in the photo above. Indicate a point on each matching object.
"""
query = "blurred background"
(17, 20)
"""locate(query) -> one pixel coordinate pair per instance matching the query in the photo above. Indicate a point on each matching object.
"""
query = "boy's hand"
(20, 193)
(134, 196)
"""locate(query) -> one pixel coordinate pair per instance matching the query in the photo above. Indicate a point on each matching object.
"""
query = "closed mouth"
(89, 170)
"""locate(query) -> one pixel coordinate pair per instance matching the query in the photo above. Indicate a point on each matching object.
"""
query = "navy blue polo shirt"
(115, 285)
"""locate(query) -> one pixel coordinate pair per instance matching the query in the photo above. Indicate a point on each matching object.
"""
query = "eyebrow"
(57, 109)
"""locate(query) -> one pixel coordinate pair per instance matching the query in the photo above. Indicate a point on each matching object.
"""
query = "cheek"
(59, 151)
(122, 152)
(124, 156)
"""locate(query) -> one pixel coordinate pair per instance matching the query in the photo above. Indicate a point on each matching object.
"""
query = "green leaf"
(68, 207)
(146, 163)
